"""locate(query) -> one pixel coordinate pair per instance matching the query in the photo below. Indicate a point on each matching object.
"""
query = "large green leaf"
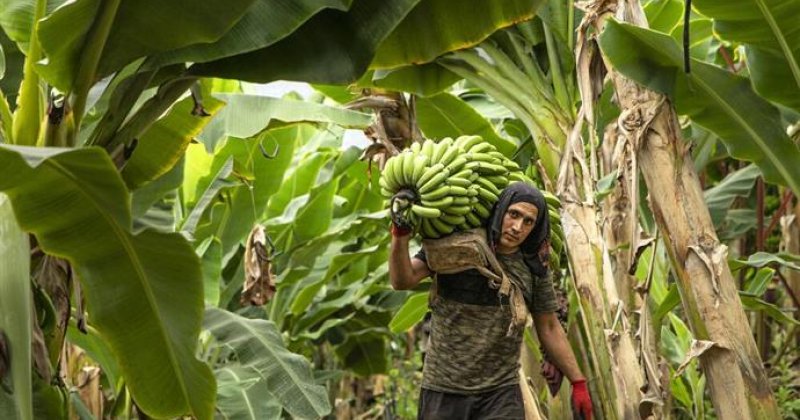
(246, 115)
(258, 345)
(15, 316)
(140, 289)
(140, 28)
(722, 102)
(165, 142)
(410, 313)
(266, 22)
(97, 349)
(435, 27)
(245, 204)
(445, 115)
(240, 395)
(768, 28)
(342, 45)
(719, 198)
(664, 15)
(424, 80)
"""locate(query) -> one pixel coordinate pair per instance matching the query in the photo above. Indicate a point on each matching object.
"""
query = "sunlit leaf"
(724, 103)
(77, 206)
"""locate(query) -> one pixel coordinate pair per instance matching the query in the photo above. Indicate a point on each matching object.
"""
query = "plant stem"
(28, 115)
(90, 58)
(167, 94)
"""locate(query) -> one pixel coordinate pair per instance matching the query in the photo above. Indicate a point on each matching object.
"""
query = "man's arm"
(555, 343)
(405, 272)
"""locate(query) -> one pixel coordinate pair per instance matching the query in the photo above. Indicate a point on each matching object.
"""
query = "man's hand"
(581, 402)
(398, 205)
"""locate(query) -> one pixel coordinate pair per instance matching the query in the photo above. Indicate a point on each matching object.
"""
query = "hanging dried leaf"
(259, 283)
(696, 350)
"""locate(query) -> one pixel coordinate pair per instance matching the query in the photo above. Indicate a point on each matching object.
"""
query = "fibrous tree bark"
(736, 376)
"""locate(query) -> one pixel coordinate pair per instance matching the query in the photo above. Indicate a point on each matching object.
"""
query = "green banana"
(436, 194)
(420, 164)
(481, 157)
(455, 190)
(426, 212)
(458, 210)
(408, 169)
(468, 142)
(434, 182)
(456, 164)
(461, 201)
(458, 181)
(449, 155)
(481, 210)
(415, 147)
(428, 174)
(487, 195)
(427, 229)
(473, 219)
(442, 227)
(482, 147)
(452, 220)
(498, 180)
(488, 185)
(441, 203)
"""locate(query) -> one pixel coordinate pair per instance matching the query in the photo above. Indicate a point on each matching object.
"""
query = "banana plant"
(697, 255)
(115, 77)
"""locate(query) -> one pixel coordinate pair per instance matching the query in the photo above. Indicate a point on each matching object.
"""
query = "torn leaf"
(697, 348)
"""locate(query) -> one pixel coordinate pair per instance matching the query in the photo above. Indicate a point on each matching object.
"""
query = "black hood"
(536, 247)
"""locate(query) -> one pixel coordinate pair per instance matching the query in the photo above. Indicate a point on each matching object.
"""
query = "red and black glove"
(581, 402)
(398, 206)
(400, 231)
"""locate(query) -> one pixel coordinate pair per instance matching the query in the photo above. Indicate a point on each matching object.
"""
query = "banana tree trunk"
(605, 323)
(736, 377)
(619, 215)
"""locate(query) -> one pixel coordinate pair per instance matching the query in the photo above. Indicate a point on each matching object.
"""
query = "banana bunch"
(456, 183)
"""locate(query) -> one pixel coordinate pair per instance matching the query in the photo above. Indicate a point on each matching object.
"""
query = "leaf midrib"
(787, 51)
(731, 112)
(266, 344)
(773, 158)
(124, 240)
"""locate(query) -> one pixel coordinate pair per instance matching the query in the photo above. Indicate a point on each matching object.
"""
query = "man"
(471, 367)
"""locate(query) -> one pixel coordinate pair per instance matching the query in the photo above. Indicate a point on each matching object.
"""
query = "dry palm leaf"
(259, 283)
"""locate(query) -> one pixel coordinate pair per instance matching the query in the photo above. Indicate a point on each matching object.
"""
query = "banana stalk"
(28, 115)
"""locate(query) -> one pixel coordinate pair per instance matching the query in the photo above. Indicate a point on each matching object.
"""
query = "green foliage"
(260, 356)
(772, 45)
(76, 204)
(722, 102)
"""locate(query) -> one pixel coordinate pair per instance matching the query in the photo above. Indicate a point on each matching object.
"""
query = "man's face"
(518, 223)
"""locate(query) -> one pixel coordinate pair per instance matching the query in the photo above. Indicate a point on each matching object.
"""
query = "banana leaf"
(722, 102)
(258, 346)
(164, 143)
(768, 29)
(435, 27)
(139, 28)
(244, 116)
(141, 290)
(445, 115)
(332, 47)
(266, 22)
